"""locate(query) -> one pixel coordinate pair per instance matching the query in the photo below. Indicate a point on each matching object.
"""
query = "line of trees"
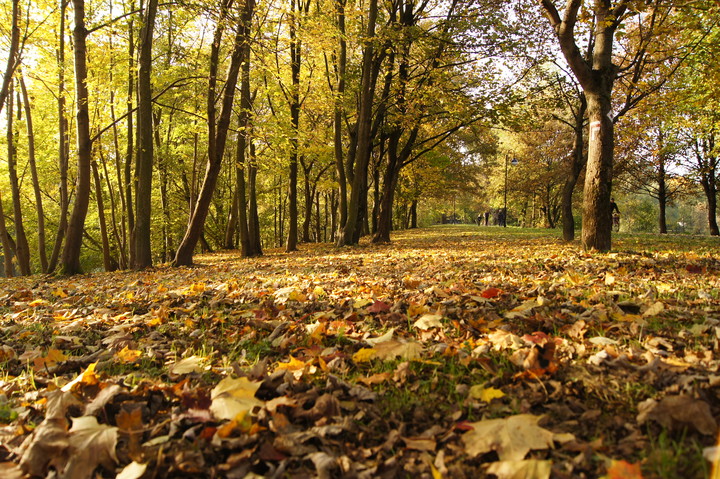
(238, 124)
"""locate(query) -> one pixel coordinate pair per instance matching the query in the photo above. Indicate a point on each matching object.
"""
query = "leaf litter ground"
(453, 352)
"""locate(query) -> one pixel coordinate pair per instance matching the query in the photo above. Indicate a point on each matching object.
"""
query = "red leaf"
(491, 293)
(624, 470)
(379, 307)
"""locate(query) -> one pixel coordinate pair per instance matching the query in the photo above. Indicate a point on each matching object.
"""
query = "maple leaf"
(364, 355)
(428, 321)
(134, 470)
(491, 293)
(88, 377)
(392, 349)
(127, 355)
(234, 397)
(512, 437)
(485, 394)
(623, 470)
(379, 307)
(676, 412)
(91, 445)
(191, 364)
(52, 357)
(529, 469)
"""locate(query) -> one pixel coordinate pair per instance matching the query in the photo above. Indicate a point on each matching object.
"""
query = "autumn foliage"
(454, 352)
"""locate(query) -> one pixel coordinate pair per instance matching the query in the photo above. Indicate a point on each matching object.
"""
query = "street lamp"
(513, 162)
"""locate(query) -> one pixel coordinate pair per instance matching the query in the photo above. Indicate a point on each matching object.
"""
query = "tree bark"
(145, 144)
(218, 137)
(13, 60)
(70, 263)
(338, 114)
(108, 263)
(352, 228)
(596, 77)
(63, 144)
(42, 252)
(7, 245)
(22, 249)
(577, 163)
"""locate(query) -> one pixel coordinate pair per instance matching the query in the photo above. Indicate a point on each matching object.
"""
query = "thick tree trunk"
(350, 233)
(710, 188)
(129, 154)
(22, 248)
(597, 217)
(70, 263)
(218, 138)
(145, 144)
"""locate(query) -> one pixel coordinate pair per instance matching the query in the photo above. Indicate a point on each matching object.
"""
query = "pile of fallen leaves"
(453, 352)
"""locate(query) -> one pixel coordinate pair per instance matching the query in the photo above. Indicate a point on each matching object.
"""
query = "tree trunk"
(13, 54)
(108, 262)
(7, 245)
(70, 263)
(662, 193)
(577, 163)
(351, 231)
(145, 143)
(130, 151)
(597, 217)
(253, 216)
(64, 144)
(184, 254)
(42, 252)
(710, 188)
(22, 249)
(338, 115)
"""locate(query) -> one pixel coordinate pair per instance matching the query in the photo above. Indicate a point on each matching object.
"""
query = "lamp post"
(513, 162)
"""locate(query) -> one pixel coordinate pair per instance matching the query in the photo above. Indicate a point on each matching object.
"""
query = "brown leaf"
(512, 437)
(676, 412)
(91, 445)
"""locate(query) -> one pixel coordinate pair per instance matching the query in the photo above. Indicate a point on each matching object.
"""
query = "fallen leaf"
(87, 377)
(191, 364)
(127, 355)
(91, 445)
(529, 469)
(428, 321)
(232, 397)
(392, 349)
(364, 355)
(381, 339)
(512, 437)
(134, 470)
(379, 307)
(485, 394)
(676, 412)
(491, 293)
(623, 470)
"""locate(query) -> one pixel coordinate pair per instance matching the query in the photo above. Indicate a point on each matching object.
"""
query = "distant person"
(487, 218)
(479, 219)
(615, 211)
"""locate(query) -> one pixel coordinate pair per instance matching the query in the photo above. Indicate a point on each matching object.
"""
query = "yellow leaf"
(531, 468)
(192, 364)
(293, 365)
(86, 377)
(485, 394)
(364, 355)
(60, 293)
(37, 302)
(234, 398)
(127, 355)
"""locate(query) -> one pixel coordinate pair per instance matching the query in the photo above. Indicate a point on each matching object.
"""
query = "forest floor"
(453, 352)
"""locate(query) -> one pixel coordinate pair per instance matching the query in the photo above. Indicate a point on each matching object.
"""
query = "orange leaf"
(623, 470)
(491, 293)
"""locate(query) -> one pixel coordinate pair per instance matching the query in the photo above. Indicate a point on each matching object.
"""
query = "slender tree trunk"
(577, 163)
(42, 252)
(145, 143)
(338, 116)
(13, 60)
(71, 252)
(218, 138)
(108, 262)
(7, 244)
(64, 144)
(662, 193)
(253, 216)
(22, 249)
(130, 151)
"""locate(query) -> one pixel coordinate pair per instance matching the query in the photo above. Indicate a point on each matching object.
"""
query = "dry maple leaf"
(91, 445)
(232, 397)
(623, 470)
(675, 412)
(529, 469)
(512, 437)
